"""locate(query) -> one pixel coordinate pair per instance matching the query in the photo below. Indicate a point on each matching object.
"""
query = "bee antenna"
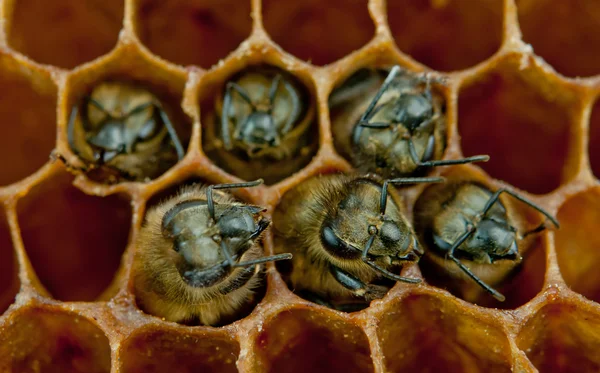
(386, 83)
(404, 180)
(381, 270)
(209, 190)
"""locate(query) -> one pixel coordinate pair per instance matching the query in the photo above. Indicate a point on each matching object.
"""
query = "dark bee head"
(367, 225)
(491, 235)
(212, 238)
(121, 120)
(402, 129)
(467, 221)
(259, 109)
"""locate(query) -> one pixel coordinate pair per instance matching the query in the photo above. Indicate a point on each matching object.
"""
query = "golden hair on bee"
(197, 255)
(120, 131)
(395, 127)
(348, 235)
(469, 233)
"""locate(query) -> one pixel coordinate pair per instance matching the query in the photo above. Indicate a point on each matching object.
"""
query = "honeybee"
(465, 222)
(397, 127)
(198, 257)
(264, 117)
(348, 234)
(121, 132)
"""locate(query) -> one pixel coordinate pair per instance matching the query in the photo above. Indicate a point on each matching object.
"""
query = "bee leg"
(415, 158)
(466, 269)
(312, 297)
(356, 286)
(171, 131)
(55, 156)
(494, 198)
(225, 136)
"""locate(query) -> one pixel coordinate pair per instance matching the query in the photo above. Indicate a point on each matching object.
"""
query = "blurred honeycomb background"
(523, 86)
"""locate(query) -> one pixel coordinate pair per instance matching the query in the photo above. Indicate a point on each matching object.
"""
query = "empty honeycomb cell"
(571, 44)
(9, 280)
(525, 128)
(303, 340)
(270, 136)
(88, 29)
(578, 251)
(594, 140)
(423, 333)
(193, 32)
(74, 240)
(447, 35)
(318, 32)
(28, 117)
(562, 337)
(52, 341)
(178, 351)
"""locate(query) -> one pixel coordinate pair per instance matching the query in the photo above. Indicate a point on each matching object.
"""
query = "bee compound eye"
(335, 245)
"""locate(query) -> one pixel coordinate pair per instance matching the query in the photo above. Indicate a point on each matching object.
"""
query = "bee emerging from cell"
(121, 132)
(348, 235)
(395, 128)
(465, 222)
(197, 256)
(261, 126)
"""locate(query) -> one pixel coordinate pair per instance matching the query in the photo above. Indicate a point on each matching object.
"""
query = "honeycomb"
(523, 81)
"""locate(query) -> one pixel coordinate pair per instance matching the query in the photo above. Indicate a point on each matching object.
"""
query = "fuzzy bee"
(397, 128)
(197, 255)
(263, 117)
(348, 235)
(121, 132)
(465, 222)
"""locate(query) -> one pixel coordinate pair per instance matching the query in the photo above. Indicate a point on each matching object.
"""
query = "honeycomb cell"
(74, 240)
(51, 341)
(270, 136)
(9, 280)
(447, 35)
(562, 338)
(28, 117)
(524, 128)
(594, 140)
(423, 333)
(578, 250)
(88, 29)
(113, 96)
(194, 32)
(571, 44)
(302, 340)
(318, 32)
(176, 351)
(195, 297)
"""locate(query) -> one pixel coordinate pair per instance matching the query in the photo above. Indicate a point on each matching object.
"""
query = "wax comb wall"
(521, 86)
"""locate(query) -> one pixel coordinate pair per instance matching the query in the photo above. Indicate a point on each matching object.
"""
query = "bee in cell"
(395, 127)
(469, 231)
(349, 236)
(120, 131)
(198, 256)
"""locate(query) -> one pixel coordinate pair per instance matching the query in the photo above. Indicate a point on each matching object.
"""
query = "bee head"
(212, 239)
(116, 118)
